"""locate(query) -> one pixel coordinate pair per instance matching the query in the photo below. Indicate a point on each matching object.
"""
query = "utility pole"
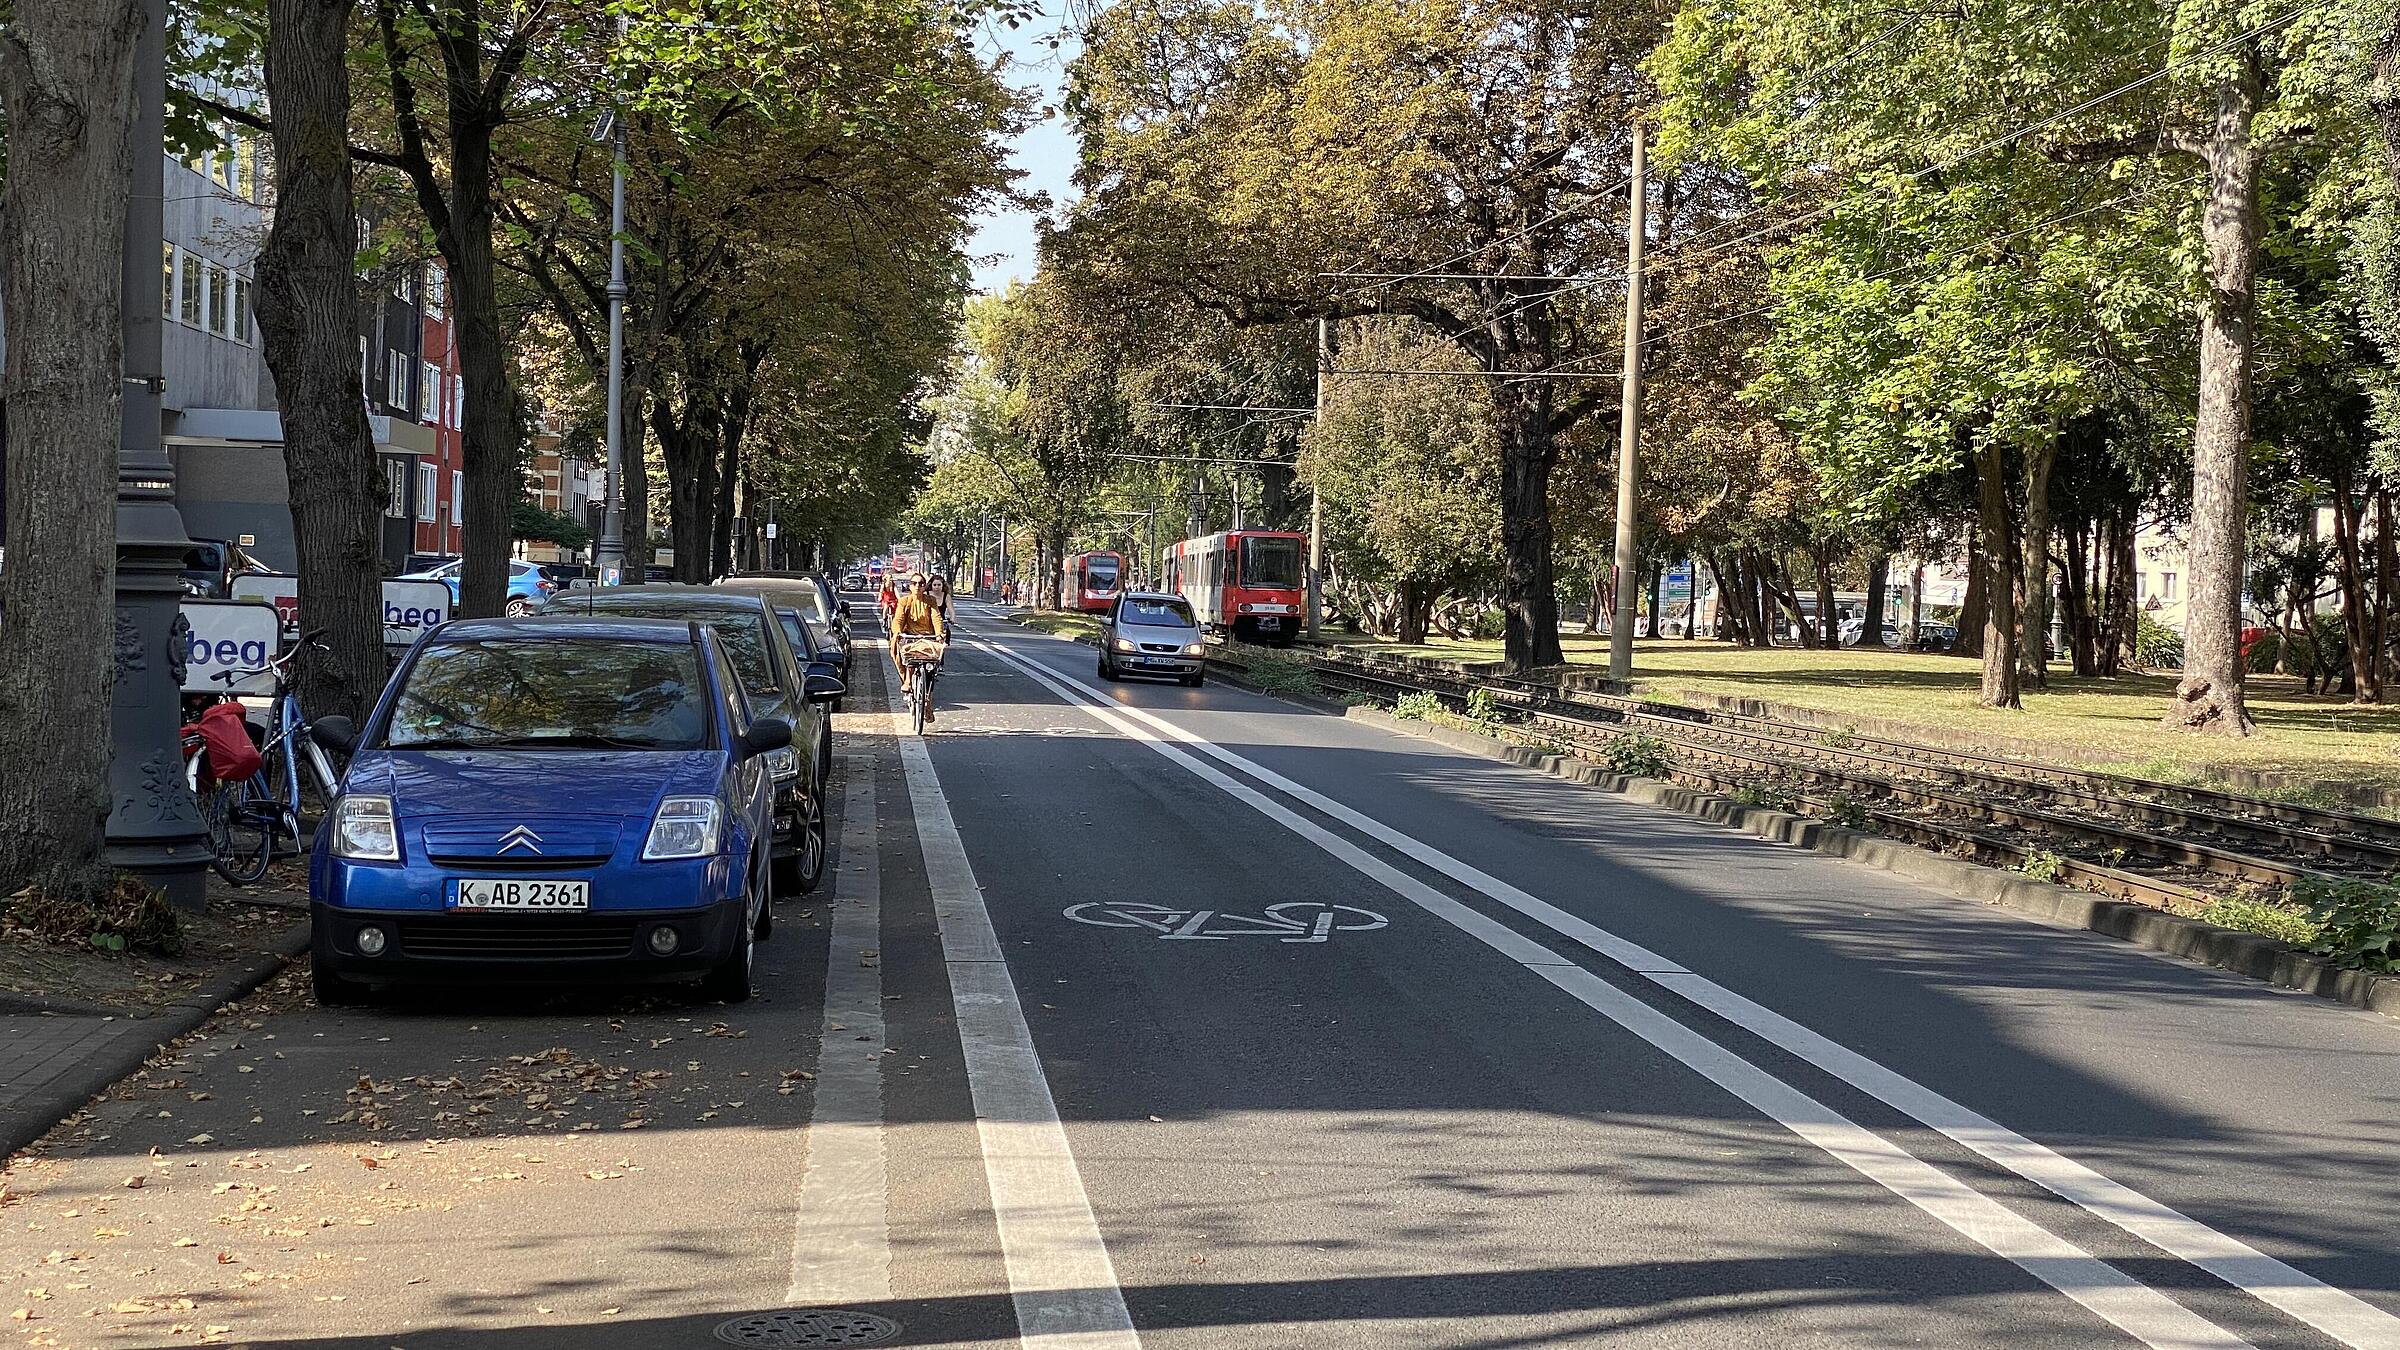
(1316, 495)
(1629, 418)
(154, 828)
(609, 558)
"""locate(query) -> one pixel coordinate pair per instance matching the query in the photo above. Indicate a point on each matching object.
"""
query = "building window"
(2166, 585)
(395, 381)
(430, 380)
(426, 479)
(190, 300)
(458, 402)
(403, 288)
(366, 240)
(241, 309)
(167, 298)
(396, 478)
(220, 301)
(458, 497)
(437, 290)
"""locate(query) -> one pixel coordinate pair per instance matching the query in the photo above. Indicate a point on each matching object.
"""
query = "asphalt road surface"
(1142, 1015)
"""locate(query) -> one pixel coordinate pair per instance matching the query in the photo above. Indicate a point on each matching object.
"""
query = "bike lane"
(1392, 1136)
(2253, 1111)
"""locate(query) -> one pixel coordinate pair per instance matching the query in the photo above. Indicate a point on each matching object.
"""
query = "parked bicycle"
(255, 817)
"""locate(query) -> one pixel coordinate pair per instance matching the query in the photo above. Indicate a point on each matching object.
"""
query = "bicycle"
(921, 661)
(246, 819)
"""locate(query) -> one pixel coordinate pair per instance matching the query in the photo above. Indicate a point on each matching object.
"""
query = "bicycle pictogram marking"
(1291, 921)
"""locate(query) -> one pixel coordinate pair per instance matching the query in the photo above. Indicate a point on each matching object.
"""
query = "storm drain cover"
(808, 1326)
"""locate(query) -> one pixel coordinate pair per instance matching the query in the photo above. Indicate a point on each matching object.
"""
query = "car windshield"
(743, 634)
(552, 693)
(1271, 563)
(1155, 613)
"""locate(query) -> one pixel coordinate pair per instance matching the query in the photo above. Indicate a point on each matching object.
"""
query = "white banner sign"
(229, 635)
(409, 607)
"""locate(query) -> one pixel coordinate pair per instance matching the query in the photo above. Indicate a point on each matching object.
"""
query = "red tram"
(1253, 583)
(1089, 581)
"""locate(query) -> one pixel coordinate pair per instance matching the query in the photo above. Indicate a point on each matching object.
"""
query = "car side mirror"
(767, 733)
(337, 734)
(822, 688)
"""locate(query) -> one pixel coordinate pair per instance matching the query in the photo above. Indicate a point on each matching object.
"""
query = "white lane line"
(841, 1239)
(2117, 1298)
(2335, 1312)
(1059, 1272)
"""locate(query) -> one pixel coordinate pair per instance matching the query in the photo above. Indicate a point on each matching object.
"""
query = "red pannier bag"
(224, 734)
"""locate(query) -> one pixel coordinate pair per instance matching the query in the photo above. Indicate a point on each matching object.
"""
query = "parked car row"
(614, 786)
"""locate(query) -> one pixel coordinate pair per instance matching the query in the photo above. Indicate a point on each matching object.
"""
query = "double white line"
(2140, 1311)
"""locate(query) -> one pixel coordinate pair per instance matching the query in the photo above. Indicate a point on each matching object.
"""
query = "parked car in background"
(528, 584)
(827, 616)
(780, 680)
(1147, 634)
(854, 581)
(1854, 631)
(417, 563)
(210, 565)
(1935, 635)
(550, 799)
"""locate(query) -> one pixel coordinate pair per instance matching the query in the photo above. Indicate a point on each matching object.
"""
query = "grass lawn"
(2309, 742)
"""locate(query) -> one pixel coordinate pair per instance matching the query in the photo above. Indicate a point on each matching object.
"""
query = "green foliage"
(1420, 706)
(1637, 754)
(2358, 922)
(2250, 914)
(2044, 866)
(2155, 645)
(1847, 811)
(1275, 669)
(1767, 796)
(528, 521)
(1840, 738)
(1482, 707)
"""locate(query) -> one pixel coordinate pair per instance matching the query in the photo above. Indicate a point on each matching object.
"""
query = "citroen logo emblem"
(521, 837)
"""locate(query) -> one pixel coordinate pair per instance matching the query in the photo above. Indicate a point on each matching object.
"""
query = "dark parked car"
(210, 565)
(827, 615)
(550, 799)
(778, 679)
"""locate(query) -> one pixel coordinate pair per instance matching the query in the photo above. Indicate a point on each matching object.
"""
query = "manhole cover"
(808, 1326)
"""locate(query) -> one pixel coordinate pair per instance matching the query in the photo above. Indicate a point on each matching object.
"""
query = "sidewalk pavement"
(54, 1056)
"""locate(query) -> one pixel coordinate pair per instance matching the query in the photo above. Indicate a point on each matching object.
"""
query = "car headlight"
(363, 829)
(686, 827)
(784, 763)
(1195, 649)
(1126, 645)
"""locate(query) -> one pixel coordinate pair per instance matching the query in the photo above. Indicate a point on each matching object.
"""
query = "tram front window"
(1271, 564)
(1103, 574)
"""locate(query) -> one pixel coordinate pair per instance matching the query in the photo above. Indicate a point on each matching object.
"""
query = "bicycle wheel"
(241, 830)
(920, 698)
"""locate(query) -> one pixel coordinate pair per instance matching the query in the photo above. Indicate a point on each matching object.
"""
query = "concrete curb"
(2249, 954)
(25, 1121)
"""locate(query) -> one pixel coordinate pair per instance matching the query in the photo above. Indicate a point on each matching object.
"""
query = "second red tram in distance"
(1251, 583)
(1090, 581)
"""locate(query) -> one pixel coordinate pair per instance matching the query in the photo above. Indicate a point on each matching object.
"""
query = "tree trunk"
(1879, 573)
(2209, 697)
(1975, 606)
(308, 321)
(2000, 688)
(1529, 599)
(2387, 567)
(1054, 563)
(2076, 585)
(1829, 622)
(1414, 610)
(67, 80)
(2033, 570)
(1599, 597)
(638, 552)
(1657, 584)
(1916, 606)
(2350, 575)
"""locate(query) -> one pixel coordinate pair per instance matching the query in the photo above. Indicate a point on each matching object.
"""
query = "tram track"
(2136, 839)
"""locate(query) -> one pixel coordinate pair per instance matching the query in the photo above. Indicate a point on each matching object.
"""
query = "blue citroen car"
(551, 799)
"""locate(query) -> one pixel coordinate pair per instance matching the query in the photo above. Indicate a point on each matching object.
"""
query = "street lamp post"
(609, 558)
(154, 829)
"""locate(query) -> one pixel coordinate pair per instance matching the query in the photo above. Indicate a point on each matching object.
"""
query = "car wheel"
(517, 607)
(729, 980)
(808, 865)
(1107, 671)
(332, 991)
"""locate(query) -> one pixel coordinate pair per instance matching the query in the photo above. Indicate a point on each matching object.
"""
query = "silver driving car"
(1146, 634)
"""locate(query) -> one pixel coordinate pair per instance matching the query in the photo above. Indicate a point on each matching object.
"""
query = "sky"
(1045, 152)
